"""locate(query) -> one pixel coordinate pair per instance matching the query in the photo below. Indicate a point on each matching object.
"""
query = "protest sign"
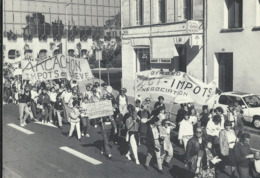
(99, 109)
(174, 84)
(56, 67)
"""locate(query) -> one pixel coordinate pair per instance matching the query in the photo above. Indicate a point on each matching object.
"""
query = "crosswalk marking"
(47, 124)
(20, 129)
(80, 155)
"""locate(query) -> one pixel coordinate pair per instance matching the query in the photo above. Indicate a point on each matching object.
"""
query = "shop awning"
(164, 48)
(140, 42)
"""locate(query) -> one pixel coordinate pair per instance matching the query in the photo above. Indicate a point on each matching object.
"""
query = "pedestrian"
(227, 141)
(132, 126)
(193, 116)
(159, 103)
(204, 116)
(180, 114)
(53, 97)
(84, 117)
(167, 127)
(74, 120)
(195, 152)
(95, 98)
(122, 101)
(67, 101)
(58, 106)
(34, 97)
(108, 128)
(213, 129)
(88, 93)
(137, 105)
(208, 162)
(44, 100)
(185, 130)
(153, 143)
(220, 112)
(24, 100)
(144, 115)
(243, 155)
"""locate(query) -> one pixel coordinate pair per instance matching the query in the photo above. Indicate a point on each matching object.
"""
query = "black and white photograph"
(130, 88)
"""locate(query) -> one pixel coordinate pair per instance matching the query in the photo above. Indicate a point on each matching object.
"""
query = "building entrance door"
(182, 58)
(143, 59)
(225, 61)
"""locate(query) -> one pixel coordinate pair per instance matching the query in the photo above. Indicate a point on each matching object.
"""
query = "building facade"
(161, 34)
(233, 44)
(47, 27)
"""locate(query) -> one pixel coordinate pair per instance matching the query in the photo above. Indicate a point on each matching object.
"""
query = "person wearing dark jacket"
(159, 103)
(243, 155)
(58, 106)
(44, 100)
(24, 105)
(194, 151)
(153, 142)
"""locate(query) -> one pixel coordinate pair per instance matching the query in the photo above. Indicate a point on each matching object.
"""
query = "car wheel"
(256, 122)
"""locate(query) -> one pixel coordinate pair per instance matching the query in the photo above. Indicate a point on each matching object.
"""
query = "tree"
(110, 50)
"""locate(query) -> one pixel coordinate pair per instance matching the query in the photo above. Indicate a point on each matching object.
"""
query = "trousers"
(72, 127)
(133, 144)
(106, 134)
(158, 157)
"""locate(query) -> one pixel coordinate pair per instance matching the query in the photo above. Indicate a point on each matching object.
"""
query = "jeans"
(33, 106)
(85, 125)
(158, 157)
(243, 172)
(72, 127)
(21, 112)
(51, 111)
(58, 113)
(106, 134)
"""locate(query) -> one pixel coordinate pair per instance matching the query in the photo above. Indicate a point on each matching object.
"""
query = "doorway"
(143, 59)
(225, 62)
(182, 58)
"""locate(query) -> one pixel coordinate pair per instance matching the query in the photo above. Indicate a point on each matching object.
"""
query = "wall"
(244, 45)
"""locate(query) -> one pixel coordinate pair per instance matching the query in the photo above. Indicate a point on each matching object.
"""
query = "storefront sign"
(99, 109)
(56, 67)
(196, 40)
(173, 84)
(193, 26)
(161, 60)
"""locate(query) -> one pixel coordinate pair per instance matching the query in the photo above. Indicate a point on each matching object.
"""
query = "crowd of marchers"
(212, 141)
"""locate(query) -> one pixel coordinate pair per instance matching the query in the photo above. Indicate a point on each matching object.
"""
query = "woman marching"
(132, 126)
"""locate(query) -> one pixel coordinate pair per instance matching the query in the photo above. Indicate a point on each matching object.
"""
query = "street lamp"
(66, 38)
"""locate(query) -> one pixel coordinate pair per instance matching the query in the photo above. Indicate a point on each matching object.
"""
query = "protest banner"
(178, 85)
(99, 109)
(56, 67)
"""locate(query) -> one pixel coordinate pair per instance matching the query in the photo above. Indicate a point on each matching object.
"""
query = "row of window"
(178, 10)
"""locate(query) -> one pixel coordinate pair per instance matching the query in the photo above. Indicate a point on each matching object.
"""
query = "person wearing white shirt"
(88, 93)
(53, 96)
(84, 117)
(220, 112)
(185, 130)
(67, 102)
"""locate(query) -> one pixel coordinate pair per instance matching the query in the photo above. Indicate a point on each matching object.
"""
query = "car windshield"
(252, 101)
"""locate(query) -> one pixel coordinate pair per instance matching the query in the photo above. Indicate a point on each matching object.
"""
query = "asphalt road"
(40, 154)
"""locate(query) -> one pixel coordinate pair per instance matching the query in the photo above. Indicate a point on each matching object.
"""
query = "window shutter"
(125, 13)
(197, 10)
(238, 13)
(170, 11)
(147, 10)
(231, 14)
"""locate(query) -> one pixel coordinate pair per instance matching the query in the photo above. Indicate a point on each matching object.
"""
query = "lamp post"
(66, 38)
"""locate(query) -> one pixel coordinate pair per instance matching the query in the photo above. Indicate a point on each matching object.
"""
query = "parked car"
(250, 104)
